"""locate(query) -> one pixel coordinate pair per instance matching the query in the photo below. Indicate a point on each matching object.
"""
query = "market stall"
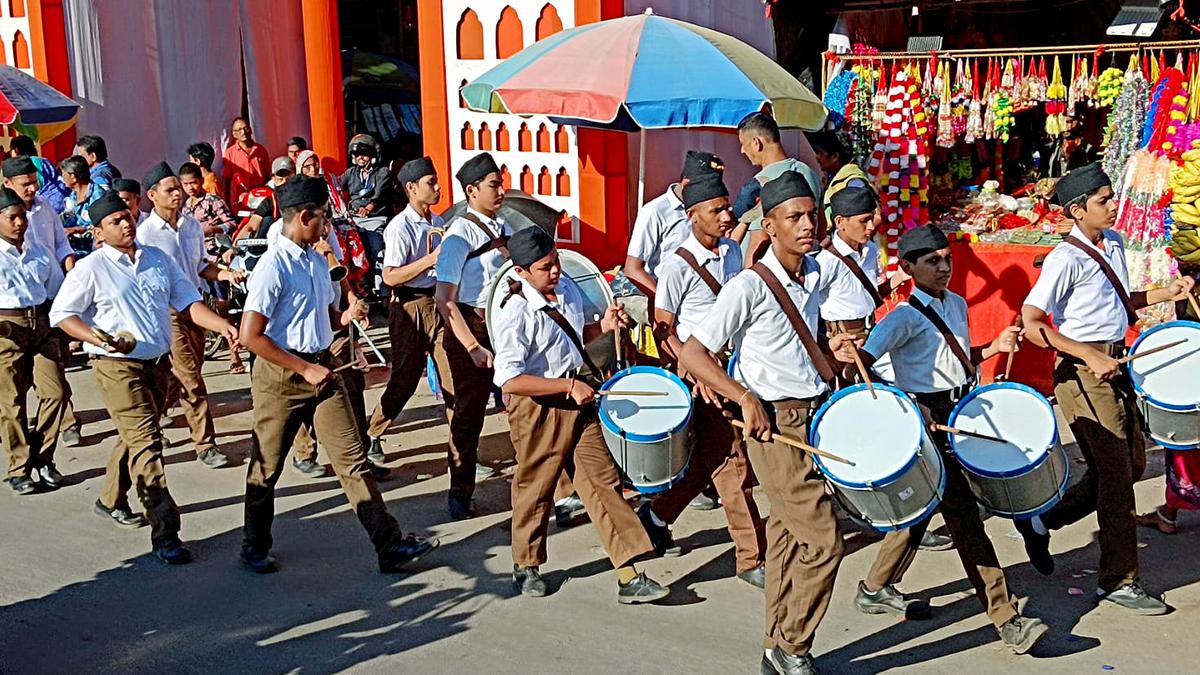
(974, 141)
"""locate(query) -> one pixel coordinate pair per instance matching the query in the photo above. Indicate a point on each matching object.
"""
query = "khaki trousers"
(356, 385)
(466, 393)
(187, 381)
(415, 329)
(804, 548)
(69, 419)
(30, 355)
(1106, 427)
(553, 436)
(283, 401)
(134, 393)
(719, 456)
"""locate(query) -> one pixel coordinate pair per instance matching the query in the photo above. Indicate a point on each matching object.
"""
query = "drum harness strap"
(789, 309)
(494, 241)
(705, 276)
(856, 271)
(558, 318)
(1130, 312)
(951, 340)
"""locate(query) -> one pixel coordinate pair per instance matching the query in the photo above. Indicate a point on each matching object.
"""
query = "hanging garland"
(1124, 134)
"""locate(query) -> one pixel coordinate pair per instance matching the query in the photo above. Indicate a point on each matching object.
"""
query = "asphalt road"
(80, 595)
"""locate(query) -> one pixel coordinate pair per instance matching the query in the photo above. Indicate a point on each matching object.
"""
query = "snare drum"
(1166, 384)
(1023, 477)
(648, 436)
(898, 478)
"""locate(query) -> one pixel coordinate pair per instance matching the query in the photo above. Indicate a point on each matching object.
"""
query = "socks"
(626, 574)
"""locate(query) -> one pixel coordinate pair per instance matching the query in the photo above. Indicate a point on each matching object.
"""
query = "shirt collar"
(697, 249)
(927, 299)
(672, 199)
(1078, 234)
(290, 248)
(6, 247)
(846, 249)
(158, 221)
(537, 301)
(414, 215)
(780, 273)
(116, 256)
(487, 221)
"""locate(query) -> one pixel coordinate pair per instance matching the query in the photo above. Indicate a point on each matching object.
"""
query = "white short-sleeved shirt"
(47, 229)
(184, 245)
(406, 240)
(683, 293)
(529, 342)
(120, 294)
(848, 300)
(922, 360)
(1074, 290)
(25, 274)
(290, 286)
(473, 276)
(276, 230)
(661, 227)
(772, 362)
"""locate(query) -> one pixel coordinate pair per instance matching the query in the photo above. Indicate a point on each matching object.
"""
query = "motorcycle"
(246, 254)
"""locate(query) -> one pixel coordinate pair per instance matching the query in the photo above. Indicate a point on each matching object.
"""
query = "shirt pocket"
(153, 284)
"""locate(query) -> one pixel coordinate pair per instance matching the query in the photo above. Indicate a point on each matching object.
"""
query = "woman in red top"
(246, 163)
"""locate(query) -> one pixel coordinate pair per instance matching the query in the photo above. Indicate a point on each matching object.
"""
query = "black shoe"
(571, 509)
(936, 542)
(393, 558)
(756, 577)
(21, 485)
(50, 477)
(888, 600)
(529, 581)
(779, 661)
(122, 517)
(379, 473)
(1037, 546)
(1022, 632)
(70, 437)
(309, 468)
(375, 452)
(660, 535)
(212, 458)
(260, 563)
(703, 502)
(641, 589)
(173, 553)
(1134, 598)
(460, 508)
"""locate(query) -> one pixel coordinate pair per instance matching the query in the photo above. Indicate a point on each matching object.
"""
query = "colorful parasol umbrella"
(644, 72)
(33, 107)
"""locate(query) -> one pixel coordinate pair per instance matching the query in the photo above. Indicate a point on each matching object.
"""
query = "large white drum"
(597, 298)
(1168, 384)
(648, 436)
(898, 477)
(1028, 473)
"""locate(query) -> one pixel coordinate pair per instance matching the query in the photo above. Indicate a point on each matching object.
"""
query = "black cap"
(416, 169)
(920, 241)
(852, 201)
(789, 185)
(18, 166)
(529, 245)
(156, 173)
(476, 168)
(702, 189)
(1080, 182)
(127, 185)
(108, 204)
(698, 164)
(299, 190)
(9, 198)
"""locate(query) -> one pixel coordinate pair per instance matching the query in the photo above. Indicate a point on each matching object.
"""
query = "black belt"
(320, 358)
(470, 310)
(408, 292)
(1115, 349)
(27, 312)
(158, 360)
(946, 397)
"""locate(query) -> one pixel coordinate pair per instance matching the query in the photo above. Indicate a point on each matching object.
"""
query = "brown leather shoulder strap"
(558, 318)
(789, 309)
(1130, 312)
(705, 276)
(951, 340)
(494, 241)
(856, 271)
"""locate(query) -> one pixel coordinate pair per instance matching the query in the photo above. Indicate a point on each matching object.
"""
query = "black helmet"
(363, 144)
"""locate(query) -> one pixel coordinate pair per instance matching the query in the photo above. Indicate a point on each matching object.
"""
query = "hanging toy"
(1108, 87)
(945, 118)
(1056, 103)
(1002, 105)
(974, 128)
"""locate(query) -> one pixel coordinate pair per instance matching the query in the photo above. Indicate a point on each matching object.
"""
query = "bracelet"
(744, 393)
(570, 386)
(472, 347)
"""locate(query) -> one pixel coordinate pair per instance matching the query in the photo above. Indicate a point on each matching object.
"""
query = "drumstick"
(1148, 352)
(788, 440)
(969, 434)
(614, 392)
(862, 372)
(1195, 305)
(1013, 354)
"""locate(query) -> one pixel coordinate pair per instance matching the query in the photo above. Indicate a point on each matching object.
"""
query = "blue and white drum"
(898, 478)
(648, 436)
(1166, 384)
(1025, 475)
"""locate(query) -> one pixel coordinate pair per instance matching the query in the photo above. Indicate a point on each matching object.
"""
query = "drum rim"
(1137, 387)
(1011, 473)
(612, 427)
(939, 493)
(842, 393)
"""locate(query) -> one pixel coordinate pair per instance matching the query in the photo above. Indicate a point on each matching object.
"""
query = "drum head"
(1014, 412)
(881, 436)
(646, 419)
(1168, 378)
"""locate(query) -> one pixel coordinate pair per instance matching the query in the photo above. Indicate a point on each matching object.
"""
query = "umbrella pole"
(641, 168)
